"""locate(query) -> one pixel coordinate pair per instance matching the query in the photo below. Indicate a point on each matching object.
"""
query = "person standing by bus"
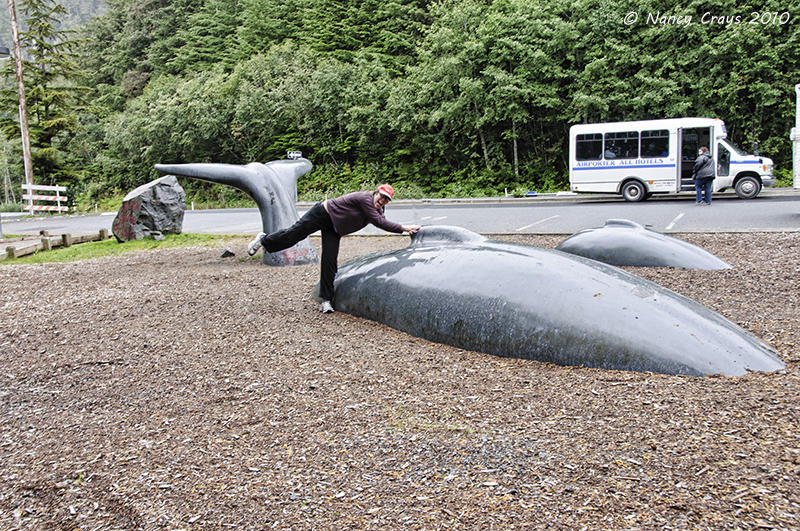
(703, 175)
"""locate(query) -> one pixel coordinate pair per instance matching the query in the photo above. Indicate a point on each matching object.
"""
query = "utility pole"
(796, 140)
(23, 108)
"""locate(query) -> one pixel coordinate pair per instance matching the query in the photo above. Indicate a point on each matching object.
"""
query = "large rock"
(152, 209)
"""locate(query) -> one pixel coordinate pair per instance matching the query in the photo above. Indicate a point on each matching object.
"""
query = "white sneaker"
(326, 307)
(255, 245)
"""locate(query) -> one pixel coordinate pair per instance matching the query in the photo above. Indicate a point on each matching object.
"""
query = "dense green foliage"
(456, 97)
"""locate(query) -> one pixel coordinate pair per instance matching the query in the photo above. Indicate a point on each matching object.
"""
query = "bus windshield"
(735, 148)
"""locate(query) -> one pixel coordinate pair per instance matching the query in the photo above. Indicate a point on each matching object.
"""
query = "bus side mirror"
(755, 148)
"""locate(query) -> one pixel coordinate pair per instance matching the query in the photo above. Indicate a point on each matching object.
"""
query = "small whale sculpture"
(621, 242)
(453, 286)
(273, 186)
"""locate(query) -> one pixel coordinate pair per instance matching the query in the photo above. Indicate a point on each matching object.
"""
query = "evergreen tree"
(53, 97)
(132, 42)
(388, 29)
(208, 39)
(266, 23)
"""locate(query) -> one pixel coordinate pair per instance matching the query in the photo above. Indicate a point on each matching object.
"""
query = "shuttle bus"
(641, 158)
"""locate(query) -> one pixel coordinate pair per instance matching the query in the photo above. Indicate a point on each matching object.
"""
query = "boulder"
(153, 209)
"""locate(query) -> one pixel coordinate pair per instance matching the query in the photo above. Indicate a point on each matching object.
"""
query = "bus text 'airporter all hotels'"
(641, 158)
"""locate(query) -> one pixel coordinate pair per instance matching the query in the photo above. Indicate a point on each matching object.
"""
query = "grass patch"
(11, 207)
(85, 251)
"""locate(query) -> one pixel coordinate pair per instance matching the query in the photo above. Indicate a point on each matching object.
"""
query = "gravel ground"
(176, 389)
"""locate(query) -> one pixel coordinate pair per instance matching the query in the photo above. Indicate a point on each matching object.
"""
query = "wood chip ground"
(176, 389)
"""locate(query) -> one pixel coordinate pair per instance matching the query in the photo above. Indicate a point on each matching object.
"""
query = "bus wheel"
(633, 191)
(747, 187)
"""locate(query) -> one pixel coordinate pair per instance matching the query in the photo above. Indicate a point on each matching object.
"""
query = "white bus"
(641, 158)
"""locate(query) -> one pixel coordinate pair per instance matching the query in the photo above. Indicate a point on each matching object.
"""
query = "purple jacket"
(353, 211)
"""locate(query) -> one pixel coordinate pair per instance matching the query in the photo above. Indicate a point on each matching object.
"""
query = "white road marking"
(674, 221)
(537, 223)
(424, 218)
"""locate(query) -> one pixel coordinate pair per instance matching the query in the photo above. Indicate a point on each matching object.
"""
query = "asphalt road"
(774, 210)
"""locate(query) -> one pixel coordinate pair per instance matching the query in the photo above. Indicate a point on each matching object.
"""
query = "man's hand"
(411, 229)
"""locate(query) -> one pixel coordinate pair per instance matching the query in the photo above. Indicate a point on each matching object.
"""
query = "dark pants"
(315, 219)
(703, 186)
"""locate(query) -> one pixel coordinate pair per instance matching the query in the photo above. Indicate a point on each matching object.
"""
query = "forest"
(448, 98)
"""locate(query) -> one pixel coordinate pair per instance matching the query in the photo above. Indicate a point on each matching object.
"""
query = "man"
(703, 175)
(335, 218)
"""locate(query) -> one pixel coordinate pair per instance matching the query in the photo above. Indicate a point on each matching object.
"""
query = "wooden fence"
(46, 242)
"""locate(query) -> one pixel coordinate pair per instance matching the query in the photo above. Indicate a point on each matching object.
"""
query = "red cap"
(386, 190)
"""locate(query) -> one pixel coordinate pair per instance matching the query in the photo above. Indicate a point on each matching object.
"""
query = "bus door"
(723, 160)
(689, 141)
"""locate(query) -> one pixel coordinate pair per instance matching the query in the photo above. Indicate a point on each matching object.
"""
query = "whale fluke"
(273, 186)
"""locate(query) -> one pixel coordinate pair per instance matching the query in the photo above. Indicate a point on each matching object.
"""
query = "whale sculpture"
(622, 242)
(273, 186)
(453, 286)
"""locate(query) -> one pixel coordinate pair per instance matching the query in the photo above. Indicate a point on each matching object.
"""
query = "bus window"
(655, 143)
(723, 161)
(622, 145)
(589, 147)
(693, 139)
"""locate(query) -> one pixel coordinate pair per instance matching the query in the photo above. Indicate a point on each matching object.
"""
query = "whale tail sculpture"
(457, 287)
(273, 186)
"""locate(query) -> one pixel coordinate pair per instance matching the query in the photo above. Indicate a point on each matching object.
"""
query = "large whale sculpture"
(273, 186)
(453, 286)
(622, 242)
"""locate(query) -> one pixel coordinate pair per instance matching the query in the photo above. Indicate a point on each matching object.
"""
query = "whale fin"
(442, 234)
